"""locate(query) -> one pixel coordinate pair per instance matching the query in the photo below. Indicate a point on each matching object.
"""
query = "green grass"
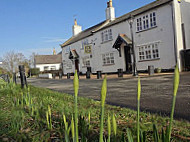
(21, 121)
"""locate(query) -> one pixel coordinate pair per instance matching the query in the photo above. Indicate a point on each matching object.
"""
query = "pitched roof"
(84, 33)
(120, 39)
(106, 24)
(48, 59)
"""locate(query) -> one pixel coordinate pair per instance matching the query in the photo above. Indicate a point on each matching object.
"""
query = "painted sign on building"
(88, 49)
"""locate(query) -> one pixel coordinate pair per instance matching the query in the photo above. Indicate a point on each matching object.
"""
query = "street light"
(131, 20)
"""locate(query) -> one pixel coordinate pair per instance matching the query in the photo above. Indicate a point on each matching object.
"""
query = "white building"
(1, 63)
(48, 62)
(160, 30)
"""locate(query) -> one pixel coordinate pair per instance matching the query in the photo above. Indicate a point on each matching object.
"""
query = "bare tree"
(31, 60)
(11, 60)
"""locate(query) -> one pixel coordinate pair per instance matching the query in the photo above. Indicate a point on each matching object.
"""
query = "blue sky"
(38, 26)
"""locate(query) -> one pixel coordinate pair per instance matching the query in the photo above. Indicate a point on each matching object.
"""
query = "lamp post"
(131, 20)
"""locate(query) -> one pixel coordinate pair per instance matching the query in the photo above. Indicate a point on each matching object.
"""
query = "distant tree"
(11, 60)
(31, 60)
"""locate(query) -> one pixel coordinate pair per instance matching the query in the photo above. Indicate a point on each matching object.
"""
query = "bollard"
(60, 75)
(89, 69)
(54, 75)
(22, 75)
(151, 70)
(120, 72)
(99, 74)
(68, 75)
(88, 75)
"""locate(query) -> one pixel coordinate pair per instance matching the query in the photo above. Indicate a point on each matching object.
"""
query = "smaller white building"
(48, 62)
(1, 63)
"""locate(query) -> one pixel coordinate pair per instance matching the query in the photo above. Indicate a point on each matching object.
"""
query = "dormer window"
(106, 35)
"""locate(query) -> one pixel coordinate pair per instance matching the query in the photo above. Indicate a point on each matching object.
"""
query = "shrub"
(35, 71)
(158, 70)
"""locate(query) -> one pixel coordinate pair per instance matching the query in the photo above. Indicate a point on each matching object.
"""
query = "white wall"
(41, 66)
(163, 34)
(178, 30)
(185, 7)
(1, 64)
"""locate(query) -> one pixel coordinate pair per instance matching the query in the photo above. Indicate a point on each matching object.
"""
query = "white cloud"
(54, 39)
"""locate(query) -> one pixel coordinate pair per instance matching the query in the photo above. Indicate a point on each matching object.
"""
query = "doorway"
(128, 64)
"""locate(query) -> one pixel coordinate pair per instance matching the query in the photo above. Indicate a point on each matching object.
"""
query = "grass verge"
(23, 117)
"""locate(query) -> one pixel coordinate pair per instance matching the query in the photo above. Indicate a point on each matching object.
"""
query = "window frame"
(148, 52)
(46, 68)
(53, 68)
(85, 61)
(107, 35)
(146, 22)
(108, 59)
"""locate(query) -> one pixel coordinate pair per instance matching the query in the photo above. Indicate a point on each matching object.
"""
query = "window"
(110, 34)
(53, 68)
(146, 22)
(149, 52)
(155, 52)
(68, 65)
(153, 19)
(46, 68)
(106, 35)
(108, 59)
(141, 53)
(139, 24)
(86, 61)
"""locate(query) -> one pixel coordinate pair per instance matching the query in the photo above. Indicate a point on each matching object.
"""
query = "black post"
(8, 79)
(68, 75)
(99, 74)
(88, 75)
(120, 72)
(25, 81)
(133, 50)
(14, 78)
(22, 75)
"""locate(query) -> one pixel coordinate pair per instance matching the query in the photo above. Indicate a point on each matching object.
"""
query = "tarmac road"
(156, 91)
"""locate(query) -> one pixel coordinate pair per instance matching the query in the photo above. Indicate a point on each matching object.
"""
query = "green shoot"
(103, 97)
(109, 128)
(138, 109)
(76, 88)
(176, 84)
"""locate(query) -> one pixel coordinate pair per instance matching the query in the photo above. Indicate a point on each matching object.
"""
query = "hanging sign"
(88, 49)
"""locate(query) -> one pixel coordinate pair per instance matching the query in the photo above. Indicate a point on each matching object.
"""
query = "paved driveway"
(156, 92)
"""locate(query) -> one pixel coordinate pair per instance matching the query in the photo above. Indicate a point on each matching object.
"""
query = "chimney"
(76, 28)
(110, 11)
(54, 52)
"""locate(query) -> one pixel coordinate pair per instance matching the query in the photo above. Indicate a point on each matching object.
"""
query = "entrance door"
(128, 59)
(77, 65)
